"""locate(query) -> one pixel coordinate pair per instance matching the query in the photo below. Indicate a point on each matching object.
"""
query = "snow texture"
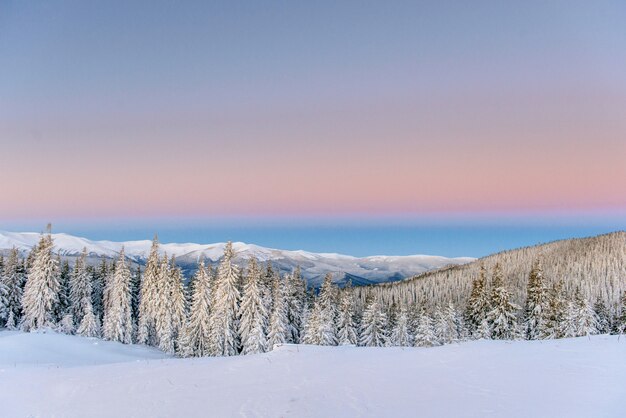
(53, 375)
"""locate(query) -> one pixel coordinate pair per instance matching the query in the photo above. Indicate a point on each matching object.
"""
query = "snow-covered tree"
(424, 331)
(603, 317)
(89, 326)
(12, 277)
(478, 302)
(296, 295)
(278, 323)
(4, 298)
(373, 326)
(63, 308)
(501, 317)
(225, 307)
(118, 321)
(178, 303)
(196, 336)
(586, 322)
(400, 336)
(445, 324)
(253, 322)
(537, 301)
(80, 287)
(164, 323)
(346, 326)
(41, 294)
(620, 322)
(321, 329)
(557, 311)
(149, 302)
(66, 325)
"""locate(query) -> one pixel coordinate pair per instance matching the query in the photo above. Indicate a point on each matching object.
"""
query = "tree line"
(245, 310)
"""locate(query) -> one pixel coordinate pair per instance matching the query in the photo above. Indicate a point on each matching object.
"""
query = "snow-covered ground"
(53, 375)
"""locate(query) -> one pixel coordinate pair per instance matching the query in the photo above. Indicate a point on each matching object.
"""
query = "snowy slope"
(314, 265)
(582, 377)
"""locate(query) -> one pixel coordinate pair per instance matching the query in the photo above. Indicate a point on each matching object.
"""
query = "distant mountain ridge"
(360, 270)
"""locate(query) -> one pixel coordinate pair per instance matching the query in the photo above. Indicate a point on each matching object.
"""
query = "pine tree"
(502, 315)
(620, 322)
(89, 325)
(135, 291)
(557, 310)
(79, 287)
(400, 336)
(445, 324)
(4, 300)
(478, 302)
(118, 321)
(225, 307)
(66, 325)
(148, 303)
(278, 326)
(373, 326)
(178, 303)
(535, 311)
(346, 327)
(98, 284)
(196, 336)
(321, 329)
(164, 323)
(586, 323)
(296, 295)
(603, 317)
(424, 331)
(253, 322)
(41, 294)
(64, 288)
(13, 279)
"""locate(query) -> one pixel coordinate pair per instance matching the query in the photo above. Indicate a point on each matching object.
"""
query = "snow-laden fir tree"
(603, 317)
(620, 321)
(586, 322)
(445, 324)
(373, 326)
(118, 321)
(13, 278)
(501, 317)
(321, 327)
(537, 304)
(278, 323)
(178, 303)
(400, 336)
(196, 336)
(557, 310)
(4, 299)
(89, 326)
(164, 323)
(135, 291)
(478, 302)
(253, 322)
(267, 279)
(346, 326)
(225, 307)
(64, 289)
(296, 295)
(66, 324)
(41, 294)
(149, 302)
(424, 331)
(79, 287)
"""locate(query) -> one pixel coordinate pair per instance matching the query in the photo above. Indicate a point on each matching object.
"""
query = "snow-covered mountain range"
(361, 270)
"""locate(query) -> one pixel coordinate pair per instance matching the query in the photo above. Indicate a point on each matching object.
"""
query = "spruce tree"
(178, 303)
(89, 326)
(225, 307)
(620, 322)
(118, 321)
(164, 323)
(586, 322)
(424, 331)
(502, 315)
(196, 336)
(4, 300)
(40, 302)
(80, 287)
(478, 302)
(400, 336)
(373, 326)
(13, 279)
(253, 323)
(321, 328)
(296, 295)
(537, 301)
(148, 303)
(278, 325)
(603, 317)
(557, 311)
(346, 327)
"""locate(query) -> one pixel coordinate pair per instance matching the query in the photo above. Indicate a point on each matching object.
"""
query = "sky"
(123, 111)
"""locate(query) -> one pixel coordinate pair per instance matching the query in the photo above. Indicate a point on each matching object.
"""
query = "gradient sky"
(138, 109)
